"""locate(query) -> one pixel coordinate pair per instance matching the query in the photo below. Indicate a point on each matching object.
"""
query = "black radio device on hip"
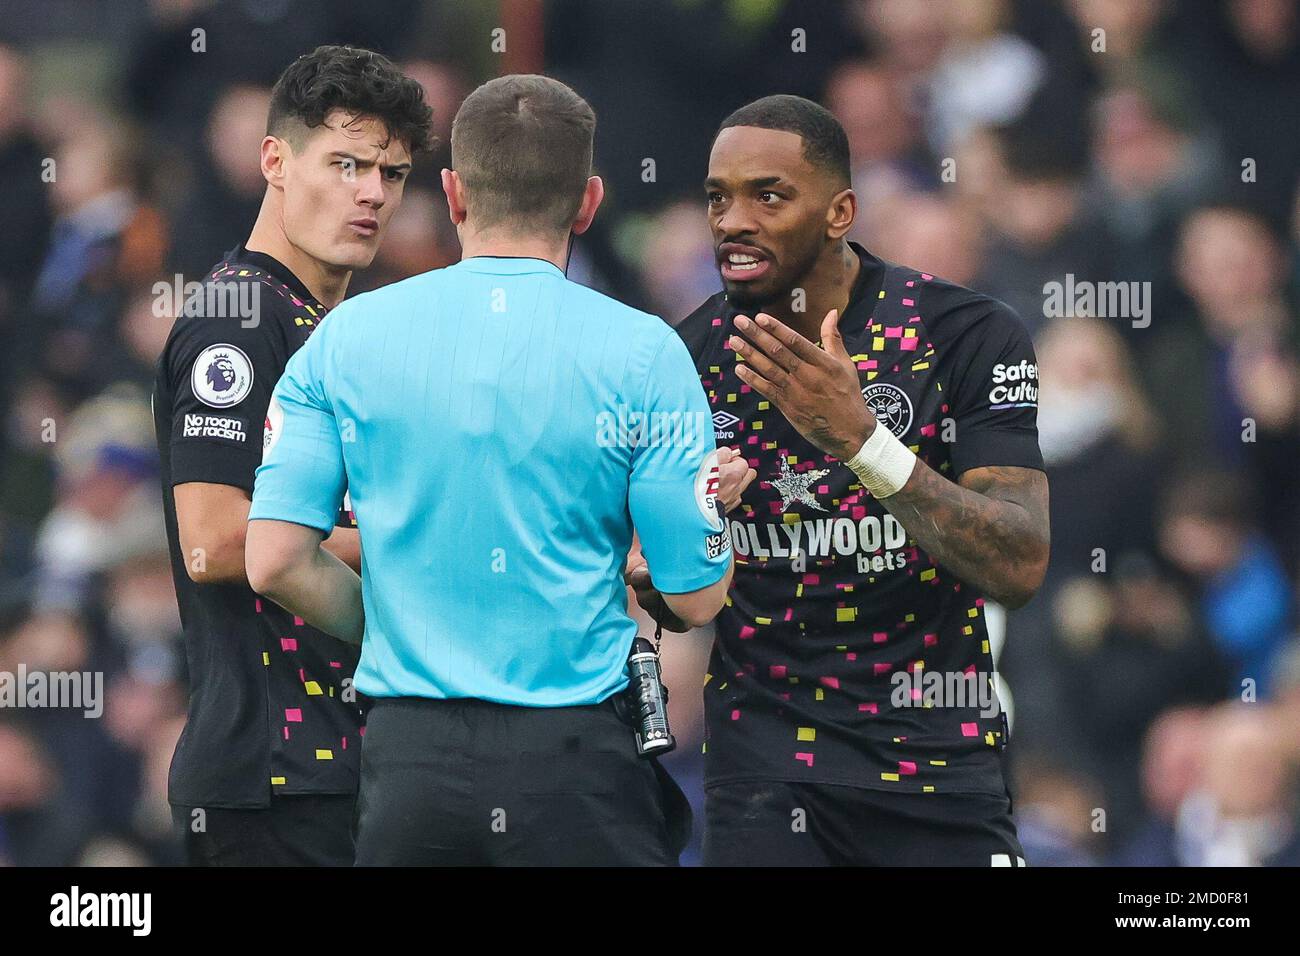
(645, 702)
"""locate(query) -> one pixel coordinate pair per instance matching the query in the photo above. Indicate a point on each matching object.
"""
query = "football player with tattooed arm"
(891, 418)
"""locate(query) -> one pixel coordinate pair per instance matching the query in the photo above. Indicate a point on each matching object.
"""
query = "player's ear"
(455, 192)
(840, 214)
(592, 195)
(273, 160)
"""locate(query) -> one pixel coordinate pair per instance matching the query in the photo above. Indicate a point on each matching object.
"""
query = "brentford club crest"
(891, 406)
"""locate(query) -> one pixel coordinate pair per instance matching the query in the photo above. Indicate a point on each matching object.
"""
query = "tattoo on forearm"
(991, 530)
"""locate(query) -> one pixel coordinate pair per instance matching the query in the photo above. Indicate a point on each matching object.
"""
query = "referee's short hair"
(359, 82)
(825, 144)
(522, 145)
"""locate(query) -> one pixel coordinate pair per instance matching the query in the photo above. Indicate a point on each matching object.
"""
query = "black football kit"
(272, 714)
(823, 686)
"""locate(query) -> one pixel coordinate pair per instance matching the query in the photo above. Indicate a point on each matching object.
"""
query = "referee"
(265, 772)
(899, 486)
(501, 431)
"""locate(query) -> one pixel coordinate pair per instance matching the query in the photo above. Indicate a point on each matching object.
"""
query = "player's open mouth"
(742, 263)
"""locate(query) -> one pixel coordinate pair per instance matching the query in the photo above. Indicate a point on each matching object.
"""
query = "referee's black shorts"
(467, 782)
(775, 823)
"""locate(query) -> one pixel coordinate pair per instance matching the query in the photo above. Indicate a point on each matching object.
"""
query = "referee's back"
(501, 431)
(502, 427)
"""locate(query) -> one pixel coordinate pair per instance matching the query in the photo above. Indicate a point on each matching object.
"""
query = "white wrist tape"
(883, 463)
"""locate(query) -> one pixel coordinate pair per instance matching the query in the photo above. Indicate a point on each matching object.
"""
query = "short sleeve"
(221, 374)
(673, 487)
(994, 403)
(302, 478)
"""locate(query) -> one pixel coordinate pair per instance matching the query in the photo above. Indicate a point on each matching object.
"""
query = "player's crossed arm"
(990, 527)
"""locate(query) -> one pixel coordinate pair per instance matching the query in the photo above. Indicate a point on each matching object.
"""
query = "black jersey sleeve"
(993, 372)
(221, 373)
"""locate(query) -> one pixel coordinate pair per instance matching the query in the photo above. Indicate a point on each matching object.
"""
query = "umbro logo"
(724, 425)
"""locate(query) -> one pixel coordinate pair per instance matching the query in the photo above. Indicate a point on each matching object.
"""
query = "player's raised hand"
(816, 389)
(734, 476)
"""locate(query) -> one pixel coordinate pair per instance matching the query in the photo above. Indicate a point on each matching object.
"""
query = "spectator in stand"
(935, 233)
(1131, 646)
(104, 240)
(226, 192)
(1097, 432)
(986, 76)
(1130, 28)
(1207, 531)
(28, 215)
(1151, 166)
(36, 828)
(1243, 68)
(1286, 697)
(909, 39)
(1242, 813)
(1043, 230)
(1056, 813)
(1173, 758)
(1227, 373)
(678, 270)
(107, 508)
(885, 137)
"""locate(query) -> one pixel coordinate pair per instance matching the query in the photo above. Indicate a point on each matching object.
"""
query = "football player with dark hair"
(266, 770)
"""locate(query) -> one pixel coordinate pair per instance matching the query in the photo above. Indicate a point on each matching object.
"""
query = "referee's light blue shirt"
(500, 430)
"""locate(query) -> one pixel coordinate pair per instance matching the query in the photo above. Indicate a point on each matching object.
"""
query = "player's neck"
(826, 286)
(327, 283)
(552, 249)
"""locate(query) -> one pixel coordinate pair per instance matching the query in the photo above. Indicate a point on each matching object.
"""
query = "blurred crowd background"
(1155, 679)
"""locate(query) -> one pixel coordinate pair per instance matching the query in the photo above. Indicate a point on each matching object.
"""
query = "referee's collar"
(510, 265)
